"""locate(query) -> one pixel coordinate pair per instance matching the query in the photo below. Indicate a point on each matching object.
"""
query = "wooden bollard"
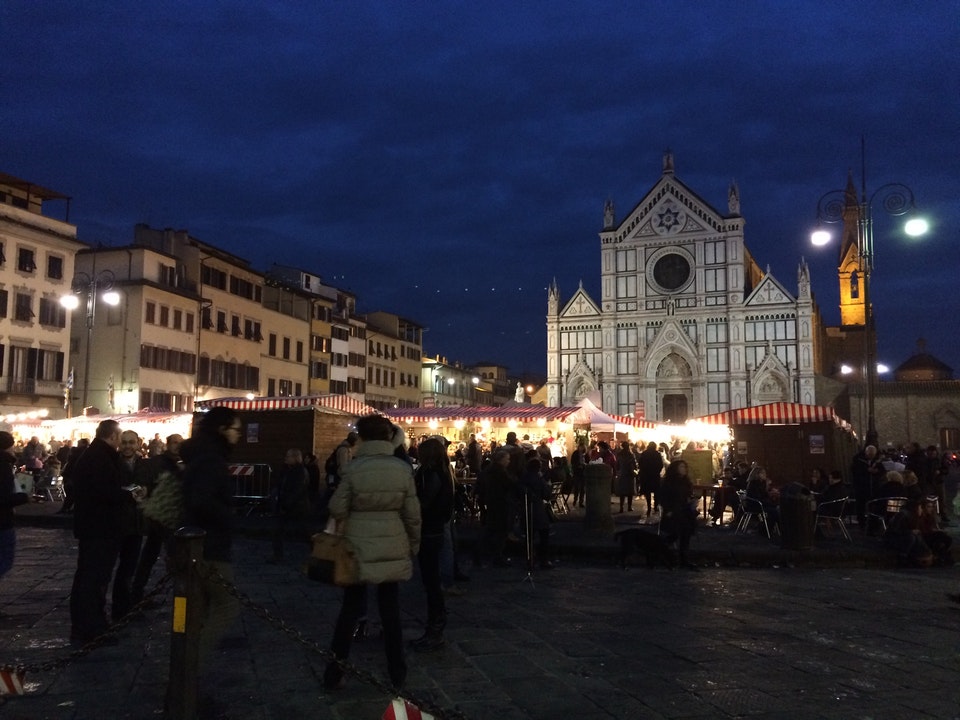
(182, 684)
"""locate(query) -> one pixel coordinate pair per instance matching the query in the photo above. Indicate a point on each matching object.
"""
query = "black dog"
(653, 547)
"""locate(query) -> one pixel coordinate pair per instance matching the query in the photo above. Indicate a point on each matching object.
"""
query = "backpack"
(165, 504)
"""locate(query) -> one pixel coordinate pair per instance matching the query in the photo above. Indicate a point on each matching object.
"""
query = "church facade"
(687, 324)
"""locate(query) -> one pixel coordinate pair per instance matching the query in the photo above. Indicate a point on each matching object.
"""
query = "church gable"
(671, 340)
(771, 381)
(581, 305)
(669, 210)
(769, 292)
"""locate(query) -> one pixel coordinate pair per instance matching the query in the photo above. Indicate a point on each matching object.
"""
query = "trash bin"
(798, 517)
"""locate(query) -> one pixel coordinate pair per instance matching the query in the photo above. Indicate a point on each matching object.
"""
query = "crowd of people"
(398, 499)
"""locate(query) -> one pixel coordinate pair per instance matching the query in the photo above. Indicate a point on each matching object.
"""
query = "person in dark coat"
(578, 468)
(435, 493)
(536, 492)
(9, 499)
(208, 504)
(100, 503)
(293, 501)
(678, 521)
(66, 474)
(495, 489)
(650, 468)
(626, 476)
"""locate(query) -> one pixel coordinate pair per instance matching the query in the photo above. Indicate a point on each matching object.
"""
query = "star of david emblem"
(669, 219)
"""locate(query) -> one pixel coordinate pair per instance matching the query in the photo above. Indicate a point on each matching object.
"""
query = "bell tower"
(850, 267)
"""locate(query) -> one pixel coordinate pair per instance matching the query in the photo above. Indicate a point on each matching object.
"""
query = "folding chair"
(749, 510)
(557, 501)
(883, 509)
(831, 513)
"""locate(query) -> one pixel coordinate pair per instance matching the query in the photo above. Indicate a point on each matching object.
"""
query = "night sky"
(445, 161)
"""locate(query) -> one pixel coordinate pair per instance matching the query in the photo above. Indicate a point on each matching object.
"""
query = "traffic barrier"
(253, 484)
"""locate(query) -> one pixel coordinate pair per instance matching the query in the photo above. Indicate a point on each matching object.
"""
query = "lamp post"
(895, 199)
(91, 285)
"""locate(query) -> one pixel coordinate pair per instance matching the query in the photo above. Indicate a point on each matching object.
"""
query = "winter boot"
(432, 638)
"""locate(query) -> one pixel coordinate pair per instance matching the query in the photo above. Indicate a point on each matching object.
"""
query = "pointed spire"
(608, 215)
(554, 291)
(851, 190)
(733, 198)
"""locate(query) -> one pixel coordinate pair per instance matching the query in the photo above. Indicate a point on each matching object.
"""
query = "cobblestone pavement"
(584, 640)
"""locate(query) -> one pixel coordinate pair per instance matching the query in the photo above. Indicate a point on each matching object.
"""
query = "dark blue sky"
(445, 161)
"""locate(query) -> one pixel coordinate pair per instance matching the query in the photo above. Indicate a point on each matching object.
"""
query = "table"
(706, 492)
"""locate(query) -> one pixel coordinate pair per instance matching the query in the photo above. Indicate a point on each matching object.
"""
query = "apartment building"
(394, 361)
(230, 339)
(284, 363)
(36, 270)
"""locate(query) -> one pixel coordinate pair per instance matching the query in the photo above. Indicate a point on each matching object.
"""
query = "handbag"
(165, 504)
(333, 560)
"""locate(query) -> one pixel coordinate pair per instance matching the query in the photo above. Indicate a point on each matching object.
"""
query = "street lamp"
(83, 283)
(894, 199)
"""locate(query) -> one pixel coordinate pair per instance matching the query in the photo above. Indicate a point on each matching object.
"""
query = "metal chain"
(365, 676)
(96, 642)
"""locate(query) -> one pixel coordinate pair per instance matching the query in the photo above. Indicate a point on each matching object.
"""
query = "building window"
(854, 285)
(716, 332)
(188, 327)
(715, 280)
(714, 253)
(164, 316)
(26, 261)
(626, 286)
(213, 277)
(286, 388)
(23, 310)
(718, 397)
(286, 348)
(52, 313)
(626, 337)
(54, 267)
(272, 345)
(299, 351)
(627, 396)
(168, 275)
(150, 316)
(717, 359)
(627, 362)
(626, 261)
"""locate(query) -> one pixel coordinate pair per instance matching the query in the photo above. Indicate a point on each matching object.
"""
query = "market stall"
(272, 425)
(145, 424)
(789, 439)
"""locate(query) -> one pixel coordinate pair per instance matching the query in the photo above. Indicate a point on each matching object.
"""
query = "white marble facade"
(687, 323)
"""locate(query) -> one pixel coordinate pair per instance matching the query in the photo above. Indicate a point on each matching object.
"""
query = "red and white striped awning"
(477, 413)
(633, 422)
(343, 403)
(775, 413)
